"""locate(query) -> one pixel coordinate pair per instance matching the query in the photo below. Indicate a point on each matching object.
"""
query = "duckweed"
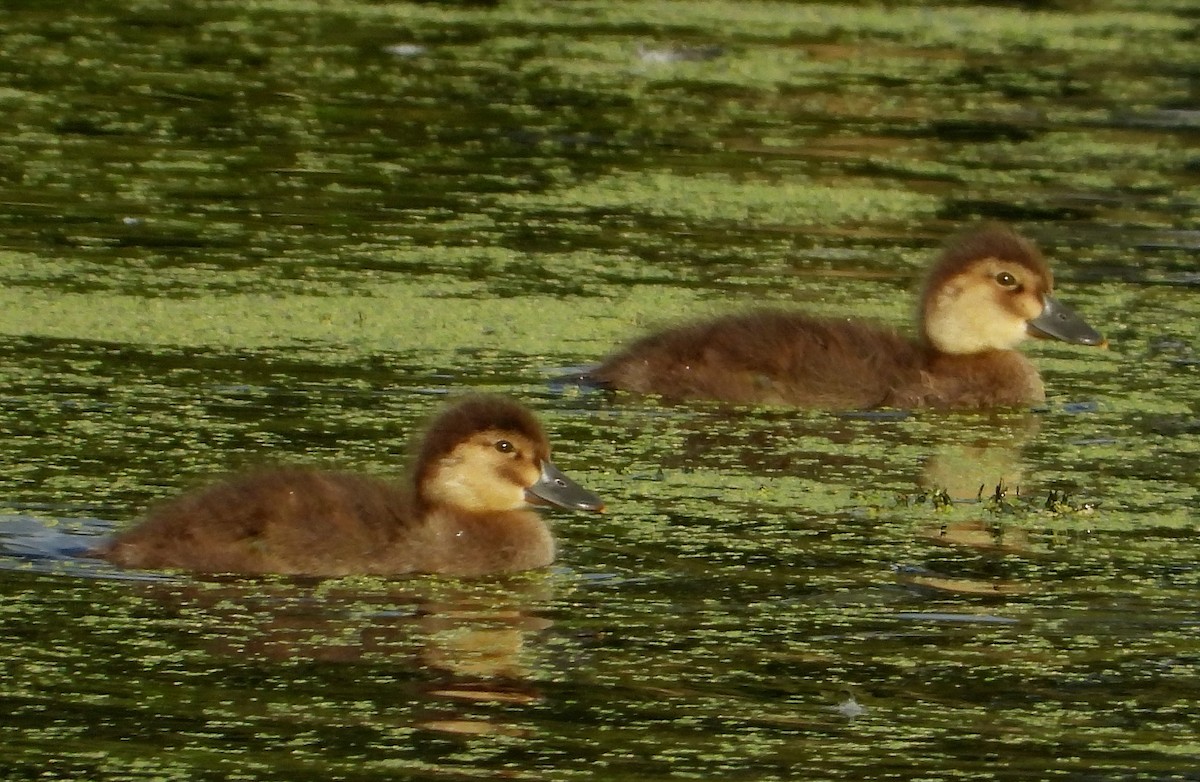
(238, 234)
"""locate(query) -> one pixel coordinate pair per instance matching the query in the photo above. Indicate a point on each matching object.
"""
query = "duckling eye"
(1006, 279)
(504, 446)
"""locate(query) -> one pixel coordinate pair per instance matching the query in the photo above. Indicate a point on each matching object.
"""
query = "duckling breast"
(455, 543)
(997, 378)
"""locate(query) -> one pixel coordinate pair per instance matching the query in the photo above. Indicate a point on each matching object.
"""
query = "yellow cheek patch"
(972, 314)
(478, 477)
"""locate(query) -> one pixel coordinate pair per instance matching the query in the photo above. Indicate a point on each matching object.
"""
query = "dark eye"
(1006, 279)
(504, 446)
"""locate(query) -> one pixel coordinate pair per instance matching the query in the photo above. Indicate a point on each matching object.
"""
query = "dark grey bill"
(1058, 321)
(554, 488)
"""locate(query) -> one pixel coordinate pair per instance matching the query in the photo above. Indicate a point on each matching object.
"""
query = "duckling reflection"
(451, 649)
(989, 290)
(980, 535)
(935, 582)
(956, 453)
(975, 454)
(464, 511)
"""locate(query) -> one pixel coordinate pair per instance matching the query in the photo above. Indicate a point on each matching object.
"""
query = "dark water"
(283, 232)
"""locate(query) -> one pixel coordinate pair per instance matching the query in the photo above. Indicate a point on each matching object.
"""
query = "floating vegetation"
(735, 199)
(283, 231)
(937, 499)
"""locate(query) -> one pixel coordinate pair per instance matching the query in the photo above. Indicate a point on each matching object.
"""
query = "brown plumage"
(988, 290)
(464, 510)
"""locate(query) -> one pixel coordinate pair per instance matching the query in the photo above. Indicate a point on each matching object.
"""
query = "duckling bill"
(464, 510)
(988, 291)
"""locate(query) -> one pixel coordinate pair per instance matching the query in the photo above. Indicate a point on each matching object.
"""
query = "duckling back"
(294, 521)
(768, 357)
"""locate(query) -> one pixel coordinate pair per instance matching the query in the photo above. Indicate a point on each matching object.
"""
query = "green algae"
(380, 317)
(988, 30)
(237, 234)
(723, 197)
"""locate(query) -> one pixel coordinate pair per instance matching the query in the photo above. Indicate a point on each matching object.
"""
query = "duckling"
(464, 510)
(989, 290)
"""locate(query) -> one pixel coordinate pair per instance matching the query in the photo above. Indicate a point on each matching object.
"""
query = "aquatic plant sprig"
(937, 498)
(1001, 500)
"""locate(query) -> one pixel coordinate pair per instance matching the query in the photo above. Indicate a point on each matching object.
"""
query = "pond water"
(284, 231)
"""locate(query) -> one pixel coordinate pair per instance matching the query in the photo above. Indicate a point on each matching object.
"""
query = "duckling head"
(989, 291)
(489, 454)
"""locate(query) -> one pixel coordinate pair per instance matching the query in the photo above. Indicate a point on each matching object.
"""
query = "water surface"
(284, 232)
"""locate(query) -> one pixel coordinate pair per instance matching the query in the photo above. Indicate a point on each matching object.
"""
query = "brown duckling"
(464, 510)
(989, 290)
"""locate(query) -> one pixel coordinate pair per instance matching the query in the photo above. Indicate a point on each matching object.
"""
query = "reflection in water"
(922, 578)
(979, 534)
(992, 457)
(469, 643)
(960, 455)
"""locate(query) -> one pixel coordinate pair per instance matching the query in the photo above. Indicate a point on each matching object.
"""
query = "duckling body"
(464, 510)
(988, 291)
